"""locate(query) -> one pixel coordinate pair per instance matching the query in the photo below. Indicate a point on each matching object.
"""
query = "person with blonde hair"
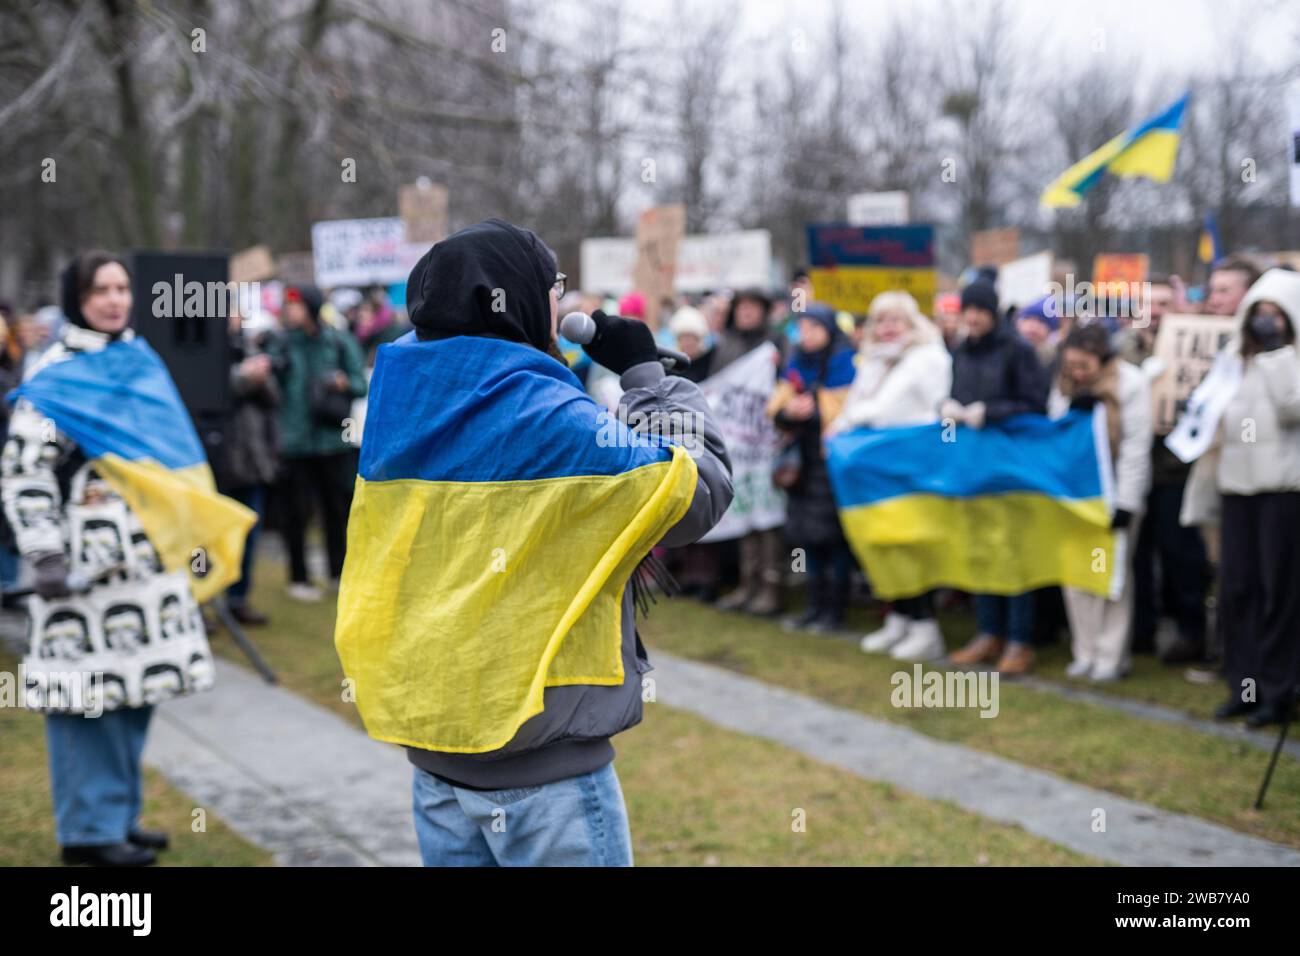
(903, 374)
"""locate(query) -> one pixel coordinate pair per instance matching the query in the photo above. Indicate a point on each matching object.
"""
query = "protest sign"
(733, 260)
(295, 268)
(1293, 140)
(738, 396)
(1185, 348)
(851, 265)
(878, 209)
(356, 252)
(1025, 280)
(252, 265)
(423, 210)
(659, 232)
(994, 247)
(1119, 271)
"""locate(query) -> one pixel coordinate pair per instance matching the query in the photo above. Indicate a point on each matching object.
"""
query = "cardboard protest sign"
(255, 264)
(1185, 348)
(994, 247)
(423, 210)
(1119, 269)
(851, 265)
(659, 231)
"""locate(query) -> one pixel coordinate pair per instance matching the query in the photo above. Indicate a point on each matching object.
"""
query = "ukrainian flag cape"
(1150, 150)
(1017, 505)
(498, 514)
(120, 406)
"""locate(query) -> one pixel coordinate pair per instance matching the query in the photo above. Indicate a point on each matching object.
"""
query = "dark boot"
(248, 616)
(738, 600)
(149, 839)
(1234, 706)
(113, 854)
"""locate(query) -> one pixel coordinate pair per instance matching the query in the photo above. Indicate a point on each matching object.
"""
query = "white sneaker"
(1108, 675)
(924, 642)
(895, 630)
(304, 592)
(1078, 670)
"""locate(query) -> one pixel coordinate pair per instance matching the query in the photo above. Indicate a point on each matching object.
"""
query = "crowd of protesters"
(286, 457)
(979, 363)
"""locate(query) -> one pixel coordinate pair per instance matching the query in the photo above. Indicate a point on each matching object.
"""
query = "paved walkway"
(286, 774)
(996, 788)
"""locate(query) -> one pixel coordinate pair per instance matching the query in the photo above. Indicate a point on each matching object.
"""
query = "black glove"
(1083, 403)
(1267, 333)
(620, 343)
(51, 575)
(1121, 519)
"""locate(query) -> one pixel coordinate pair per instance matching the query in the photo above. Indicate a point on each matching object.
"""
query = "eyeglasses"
(560, 284)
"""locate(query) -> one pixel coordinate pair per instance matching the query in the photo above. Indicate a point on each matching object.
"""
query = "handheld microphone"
(581, 328)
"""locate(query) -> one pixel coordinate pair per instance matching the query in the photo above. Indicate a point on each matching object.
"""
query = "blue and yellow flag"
(120, 406)
(1150, 149)
(1017, 505)
(498, 515)
(1208, 248)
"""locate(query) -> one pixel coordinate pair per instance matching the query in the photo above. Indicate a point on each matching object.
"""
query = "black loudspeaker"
(181, 304)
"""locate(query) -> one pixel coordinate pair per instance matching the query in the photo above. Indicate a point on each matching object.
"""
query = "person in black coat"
(995, 374)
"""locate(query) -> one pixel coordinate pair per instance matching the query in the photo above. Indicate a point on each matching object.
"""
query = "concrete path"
(1136, 834)
(286, 774)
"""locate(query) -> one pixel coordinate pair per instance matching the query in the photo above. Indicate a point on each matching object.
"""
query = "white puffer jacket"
(906, 392)
(1258, 448)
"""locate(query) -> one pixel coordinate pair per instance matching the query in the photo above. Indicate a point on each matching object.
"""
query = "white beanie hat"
(689, 321)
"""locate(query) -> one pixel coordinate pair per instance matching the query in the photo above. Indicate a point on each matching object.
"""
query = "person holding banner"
(759, 591)
(805, 404)
(1242, 424)
(995, 375)
(904, 372)
(1092, 375)
(112, 501)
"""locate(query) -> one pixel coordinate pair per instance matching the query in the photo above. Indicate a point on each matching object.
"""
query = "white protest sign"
(704, 263)
(1293, 140)
(878, 209)
(1024, 280)
(362, 251)
(738, 396)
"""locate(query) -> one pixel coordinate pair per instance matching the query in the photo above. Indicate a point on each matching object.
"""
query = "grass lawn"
(1170, 767)
(27, 820)
(699, 794)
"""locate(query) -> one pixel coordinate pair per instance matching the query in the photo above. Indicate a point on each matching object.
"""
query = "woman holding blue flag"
(111, 500)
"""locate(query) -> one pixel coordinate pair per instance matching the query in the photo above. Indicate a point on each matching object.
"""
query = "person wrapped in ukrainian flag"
(112, 502)
(501, 519)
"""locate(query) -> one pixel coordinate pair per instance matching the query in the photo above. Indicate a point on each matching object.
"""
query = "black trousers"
(1260, 593)
(1183, 579)
(326, 480)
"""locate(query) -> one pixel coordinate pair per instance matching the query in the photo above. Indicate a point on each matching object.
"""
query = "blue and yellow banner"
(120, 406)
(1018, 505)
(498, 515)
(850, 265)
(1149, 149)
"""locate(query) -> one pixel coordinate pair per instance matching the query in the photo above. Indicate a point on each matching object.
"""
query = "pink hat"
(632, 306)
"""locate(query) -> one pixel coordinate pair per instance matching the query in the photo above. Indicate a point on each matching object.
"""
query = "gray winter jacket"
(572, 734)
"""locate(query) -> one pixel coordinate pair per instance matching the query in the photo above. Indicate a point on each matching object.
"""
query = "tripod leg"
(230, 624)
(1281, 739)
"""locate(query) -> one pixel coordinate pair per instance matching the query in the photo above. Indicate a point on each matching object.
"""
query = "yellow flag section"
(122, 409)
(497, 517)
(190, 525)
(1015, 506)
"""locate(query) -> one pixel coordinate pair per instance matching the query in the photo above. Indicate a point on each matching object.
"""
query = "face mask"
(1266, 330)
(889, 350)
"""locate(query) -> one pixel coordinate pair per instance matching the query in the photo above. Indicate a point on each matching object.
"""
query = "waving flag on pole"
(1208, 249)
(120, 406)
(1018, 505)
(498, 515)
(1149, 150)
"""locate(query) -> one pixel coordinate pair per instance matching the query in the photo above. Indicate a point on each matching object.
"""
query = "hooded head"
(1280, 287)
(82, 279)
(758, 298)
(490, 279)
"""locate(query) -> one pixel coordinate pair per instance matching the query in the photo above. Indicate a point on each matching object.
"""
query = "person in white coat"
(903, 374)
(1092, 375)
(1247, 411)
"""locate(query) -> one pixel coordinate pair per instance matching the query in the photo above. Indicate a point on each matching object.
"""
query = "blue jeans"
(1008, 617)
(255, 498)
(95, 776)
(578, 821)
